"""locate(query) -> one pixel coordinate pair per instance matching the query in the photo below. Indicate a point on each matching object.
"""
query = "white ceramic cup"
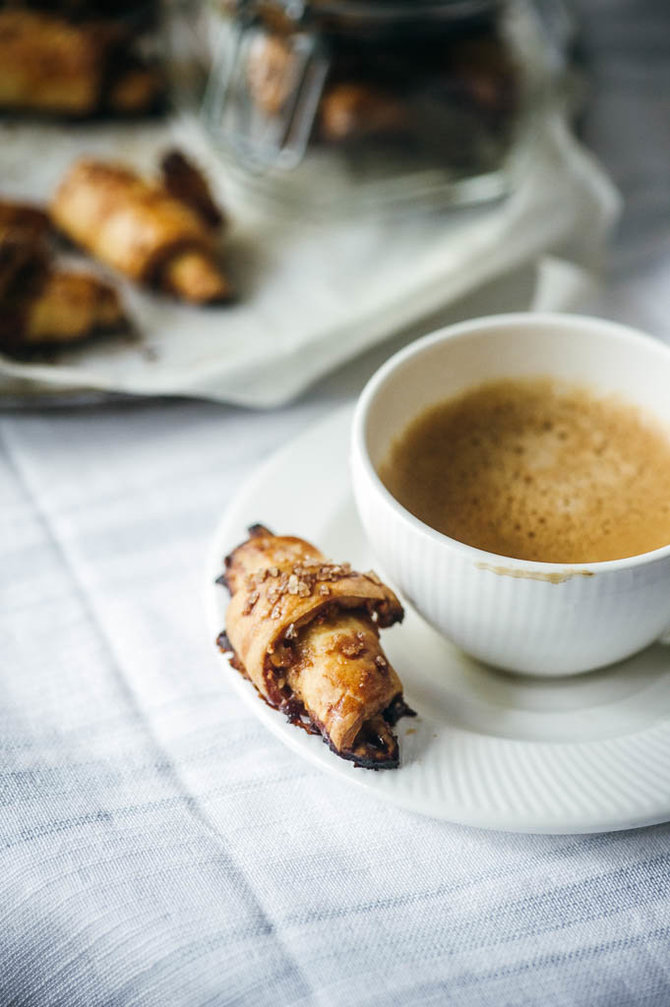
(529, 617)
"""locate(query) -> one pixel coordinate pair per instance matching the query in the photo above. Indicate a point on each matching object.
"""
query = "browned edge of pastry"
(185, 182)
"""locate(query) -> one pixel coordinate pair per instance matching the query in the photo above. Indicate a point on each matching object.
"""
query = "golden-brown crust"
(50, 65)
(57, 308)
(138, 228)
(306, 631)
(355, 681)
(195, 276)
(278, 582)
(123, 220)
(69, 307)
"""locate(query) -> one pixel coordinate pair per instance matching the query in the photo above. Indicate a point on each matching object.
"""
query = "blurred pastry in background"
(350, 110)
(58, 308)
(50, 65)
(142, 229)
(397, 103)
(184, 182)
(483, 73)
(41, 305)
(271, 72)
(23, 248)
(161, 233)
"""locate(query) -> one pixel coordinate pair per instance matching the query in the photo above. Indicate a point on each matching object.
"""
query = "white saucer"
(583, 754)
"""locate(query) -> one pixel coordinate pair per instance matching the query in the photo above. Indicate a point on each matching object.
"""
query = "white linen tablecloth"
(157, 846)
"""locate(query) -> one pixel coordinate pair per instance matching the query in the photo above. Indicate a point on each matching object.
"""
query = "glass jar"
(336, 105)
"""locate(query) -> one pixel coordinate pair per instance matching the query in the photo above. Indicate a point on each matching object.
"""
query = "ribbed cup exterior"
(539, 618)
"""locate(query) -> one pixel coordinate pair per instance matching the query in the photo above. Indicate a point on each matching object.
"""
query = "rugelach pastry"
(305, 631)
(141, 229)
(59, 308)
(23, 249)
(41, 305)
(52, 66)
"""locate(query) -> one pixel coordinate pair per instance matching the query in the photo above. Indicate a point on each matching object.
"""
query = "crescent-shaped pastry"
(50, 65)
(306, 632)
(41, 305)
(139, 228)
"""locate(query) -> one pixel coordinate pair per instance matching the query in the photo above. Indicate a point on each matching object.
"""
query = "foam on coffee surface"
(537, 470)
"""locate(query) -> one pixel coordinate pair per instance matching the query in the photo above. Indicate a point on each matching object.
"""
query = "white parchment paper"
(311, 296)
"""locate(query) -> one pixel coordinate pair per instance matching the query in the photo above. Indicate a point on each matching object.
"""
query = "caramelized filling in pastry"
(305, 631)
(139, 228)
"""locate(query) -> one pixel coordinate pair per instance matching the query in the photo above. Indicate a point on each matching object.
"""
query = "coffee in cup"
(557, 614)
(537, 470)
